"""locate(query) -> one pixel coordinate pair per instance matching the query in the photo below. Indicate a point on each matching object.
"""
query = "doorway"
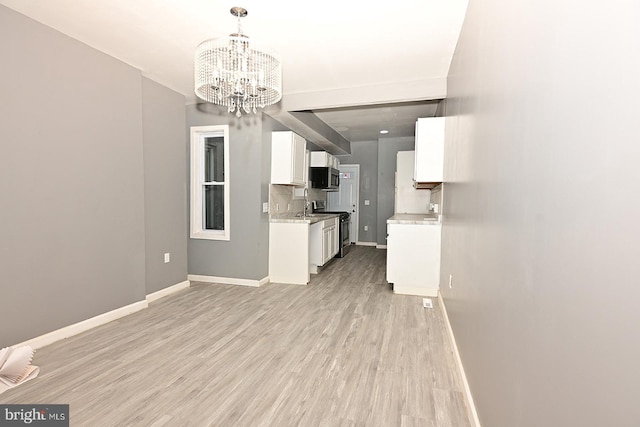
(346, 198)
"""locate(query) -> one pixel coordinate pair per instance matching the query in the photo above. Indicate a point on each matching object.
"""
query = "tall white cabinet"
(288, 158)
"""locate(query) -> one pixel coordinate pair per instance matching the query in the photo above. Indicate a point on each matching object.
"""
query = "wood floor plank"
(342, 351)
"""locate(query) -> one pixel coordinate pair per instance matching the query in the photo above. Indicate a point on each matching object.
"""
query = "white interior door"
(346, 199)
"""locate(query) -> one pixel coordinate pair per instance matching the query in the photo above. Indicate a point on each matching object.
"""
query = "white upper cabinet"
(288, 158)
(323, 159)
(320, 159)
(429, 161)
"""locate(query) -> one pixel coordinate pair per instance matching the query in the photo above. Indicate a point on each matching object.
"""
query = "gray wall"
(246, 255)
(93, 188)
(387, 150)
(541, 231)
(71, 173)
(365, 154)
(165, 189)
(377, 160)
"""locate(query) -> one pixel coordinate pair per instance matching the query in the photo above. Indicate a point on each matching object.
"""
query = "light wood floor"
(342, 351)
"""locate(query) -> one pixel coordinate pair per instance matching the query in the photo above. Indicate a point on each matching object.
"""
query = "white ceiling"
(327, 47)
(364, 123)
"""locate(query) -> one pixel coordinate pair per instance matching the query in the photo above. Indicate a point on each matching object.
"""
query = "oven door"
(345, 239)
(344, 232)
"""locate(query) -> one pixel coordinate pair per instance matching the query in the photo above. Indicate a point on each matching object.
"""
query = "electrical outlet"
(367, 202)
(277, 207)
(450, 281)
(288, 207)
(427, 303)
(366, 228)
(265, 207)
(167, 257)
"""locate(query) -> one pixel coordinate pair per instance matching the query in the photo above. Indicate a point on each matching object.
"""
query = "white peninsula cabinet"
(429, 158)
(288, 158)
(289, 252)
(413, 254)
(299, 245)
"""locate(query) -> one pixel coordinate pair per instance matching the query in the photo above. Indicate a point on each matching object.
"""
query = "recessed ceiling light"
(383, 131)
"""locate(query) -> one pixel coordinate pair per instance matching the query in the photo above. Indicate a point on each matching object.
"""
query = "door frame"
(356, 221)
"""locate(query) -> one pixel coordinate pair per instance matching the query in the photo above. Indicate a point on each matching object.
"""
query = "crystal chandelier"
(233, 72)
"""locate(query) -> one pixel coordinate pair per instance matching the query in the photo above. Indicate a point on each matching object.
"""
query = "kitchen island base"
(413, 256)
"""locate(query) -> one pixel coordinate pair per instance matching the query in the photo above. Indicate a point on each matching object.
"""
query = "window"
(210, 182)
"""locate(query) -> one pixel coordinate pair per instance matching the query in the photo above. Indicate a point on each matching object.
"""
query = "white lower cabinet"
(297, 249)
(323, 243)
(413, 258)
(289, 253)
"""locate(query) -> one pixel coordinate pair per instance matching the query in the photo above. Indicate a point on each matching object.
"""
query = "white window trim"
(198, 134)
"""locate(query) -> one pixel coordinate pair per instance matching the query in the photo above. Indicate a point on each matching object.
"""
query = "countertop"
(426, 218)
(299, 219)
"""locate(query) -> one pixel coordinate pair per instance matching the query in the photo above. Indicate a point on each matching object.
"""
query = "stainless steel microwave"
(325, 178)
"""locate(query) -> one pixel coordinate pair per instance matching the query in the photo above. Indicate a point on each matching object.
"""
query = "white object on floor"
(16, 367)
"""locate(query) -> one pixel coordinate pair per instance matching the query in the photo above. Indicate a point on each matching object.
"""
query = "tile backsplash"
(281, 199)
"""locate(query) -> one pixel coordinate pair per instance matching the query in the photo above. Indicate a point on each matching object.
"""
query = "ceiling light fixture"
(232, 72)
(383, 131)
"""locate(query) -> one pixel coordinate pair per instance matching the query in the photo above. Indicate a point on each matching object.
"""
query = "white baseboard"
(85, 325)
(101, 319)
(381, 246)
(228, 280)
(408, 290)
(366, 244)
(473, 414)
(167, 291)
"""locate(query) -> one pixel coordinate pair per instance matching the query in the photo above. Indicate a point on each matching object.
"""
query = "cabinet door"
(334, 240)
(321, 159)
(392, 261)
(298, 192)
(326, 245)
(298, 159)
(316, 255)
(287, 158)
(429, 149)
